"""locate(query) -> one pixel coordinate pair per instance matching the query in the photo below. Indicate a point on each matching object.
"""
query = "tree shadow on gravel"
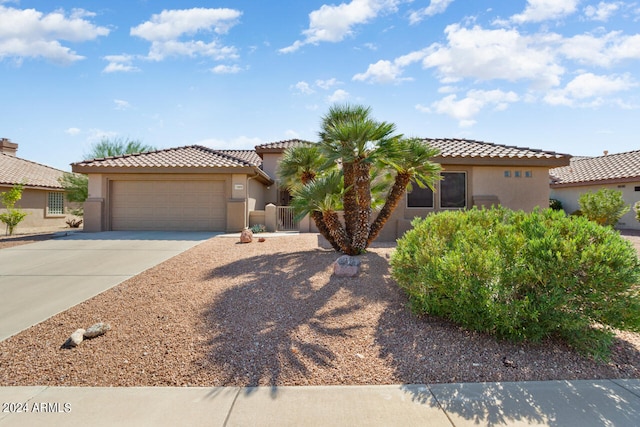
(268, 326)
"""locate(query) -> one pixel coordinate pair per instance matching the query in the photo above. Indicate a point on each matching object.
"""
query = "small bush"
(636, 209)
(258, 228)
(605, 206)
(555, 204)
(522, 276)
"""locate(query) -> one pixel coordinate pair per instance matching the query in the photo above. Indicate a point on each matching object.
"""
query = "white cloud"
(333, 23)
(495, 54)
(304, 88)
(338, 96)
(588, 89)
(602, 51)
(434, 8)
(544, 10)
(603, 11)
(73, 131)
(28, 33)
(327, 84)
(464, 110)
(172, 24)
(120, 63)
(385, 71)
(121, 104)
(226, 69)
(166, 30)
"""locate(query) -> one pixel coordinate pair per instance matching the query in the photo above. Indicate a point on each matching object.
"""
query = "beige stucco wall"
(517, 193)
(569, 197)
(270, 166)
(35, 202)
(523, 193)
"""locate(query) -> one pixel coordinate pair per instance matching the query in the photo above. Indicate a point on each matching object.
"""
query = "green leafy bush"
(12, 216)
(605, 206)
(522, 276)
(636, 209)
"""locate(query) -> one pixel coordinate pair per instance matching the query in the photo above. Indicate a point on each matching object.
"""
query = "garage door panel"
(168, 205)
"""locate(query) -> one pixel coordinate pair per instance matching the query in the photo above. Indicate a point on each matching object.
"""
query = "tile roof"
(192, 156)
(587, 170)
(281, 145)
(466, 148)
(14, 170)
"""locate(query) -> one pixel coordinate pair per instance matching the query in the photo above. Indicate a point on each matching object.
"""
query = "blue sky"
(561, 75)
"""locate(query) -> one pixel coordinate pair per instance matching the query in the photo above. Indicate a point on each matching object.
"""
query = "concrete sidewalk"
(549, 403)
(39, 280)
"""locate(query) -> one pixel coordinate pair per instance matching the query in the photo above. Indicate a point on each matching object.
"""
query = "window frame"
(57, 205)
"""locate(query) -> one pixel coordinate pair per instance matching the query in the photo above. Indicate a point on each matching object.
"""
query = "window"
(419, 197)
(453, 190)
(507, 174)
(528, 174)
(55, 204)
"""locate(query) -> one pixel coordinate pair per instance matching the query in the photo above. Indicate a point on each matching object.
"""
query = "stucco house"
(42, 196)
(589, 174)
(199, 188)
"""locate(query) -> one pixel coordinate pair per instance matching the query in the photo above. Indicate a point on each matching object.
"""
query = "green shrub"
(605, 206)
(12, 216)
(258, 228)
(636, 209)
(522, 276)
(555, 204)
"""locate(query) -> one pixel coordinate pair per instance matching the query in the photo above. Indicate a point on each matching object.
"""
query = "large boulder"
(246, 236)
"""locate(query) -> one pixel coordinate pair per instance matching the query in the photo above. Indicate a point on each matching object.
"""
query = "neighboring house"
(199, 188)
(590, 174)
(42, 196)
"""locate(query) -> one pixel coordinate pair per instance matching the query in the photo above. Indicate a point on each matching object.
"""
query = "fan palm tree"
(298, 167)
(322, 199)
(350, 136)
(411, 161)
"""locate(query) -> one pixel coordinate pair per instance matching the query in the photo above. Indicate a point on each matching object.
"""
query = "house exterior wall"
(484, 183)
(524, 192)
(270, 166)
(570, 195)
(35, 203)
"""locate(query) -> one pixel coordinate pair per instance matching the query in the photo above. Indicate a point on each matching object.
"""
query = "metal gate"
(286, 219)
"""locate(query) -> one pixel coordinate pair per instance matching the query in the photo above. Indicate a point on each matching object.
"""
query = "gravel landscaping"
(271, 313)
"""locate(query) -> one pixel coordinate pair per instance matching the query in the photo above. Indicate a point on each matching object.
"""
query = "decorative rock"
(97, 330)
(347, 266)
(246, 236)
(75, 339)
(262, 239)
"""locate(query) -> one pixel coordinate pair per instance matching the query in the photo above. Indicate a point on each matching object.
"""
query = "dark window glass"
(453, 190)
(420, 197)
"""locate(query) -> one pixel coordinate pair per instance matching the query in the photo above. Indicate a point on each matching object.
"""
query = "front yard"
(271, 313)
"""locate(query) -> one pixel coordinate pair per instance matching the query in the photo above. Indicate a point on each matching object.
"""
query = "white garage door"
(168, 205)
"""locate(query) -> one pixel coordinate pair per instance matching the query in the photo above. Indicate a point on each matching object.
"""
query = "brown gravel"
(271, 313)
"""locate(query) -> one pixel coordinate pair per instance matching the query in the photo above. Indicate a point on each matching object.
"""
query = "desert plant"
(605, 206)
(74, 223)
(522, 276)
(13, 216)
(258, 228)
(636, 209)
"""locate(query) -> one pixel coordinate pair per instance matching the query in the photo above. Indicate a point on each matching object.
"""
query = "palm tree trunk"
(349, 199)
(323, 229)
(337, 231)
(393, 198)
(363, 218)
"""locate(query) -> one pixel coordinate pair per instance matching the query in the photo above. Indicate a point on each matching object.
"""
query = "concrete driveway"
(41, 279)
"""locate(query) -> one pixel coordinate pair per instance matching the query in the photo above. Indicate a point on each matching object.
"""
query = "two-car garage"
(167, 205)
